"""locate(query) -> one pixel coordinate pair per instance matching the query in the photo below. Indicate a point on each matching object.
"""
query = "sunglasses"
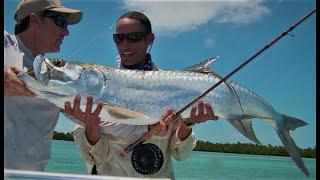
(130, 37)
(58, 19)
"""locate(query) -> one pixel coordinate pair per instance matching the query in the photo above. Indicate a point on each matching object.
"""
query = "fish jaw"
(40, 70)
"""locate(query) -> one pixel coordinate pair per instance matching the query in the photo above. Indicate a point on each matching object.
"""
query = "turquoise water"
(200, 165)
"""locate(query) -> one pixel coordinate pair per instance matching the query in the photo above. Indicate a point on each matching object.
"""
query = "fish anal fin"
(245, 128)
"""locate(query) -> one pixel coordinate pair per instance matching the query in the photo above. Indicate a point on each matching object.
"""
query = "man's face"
(132, 53)
(51, 35)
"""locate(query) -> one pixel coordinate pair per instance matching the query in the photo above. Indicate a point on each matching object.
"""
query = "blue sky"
(188, 32)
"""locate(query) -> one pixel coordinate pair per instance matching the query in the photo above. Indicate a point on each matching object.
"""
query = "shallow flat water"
(200, 165)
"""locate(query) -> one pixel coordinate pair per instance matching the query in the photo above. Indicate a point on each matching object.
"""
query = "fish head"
(46, 70)
(59, 79)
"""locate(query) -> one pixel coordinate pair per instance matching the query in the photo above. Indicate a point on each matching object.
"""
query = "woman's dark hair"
(21, 25)
(143, 19)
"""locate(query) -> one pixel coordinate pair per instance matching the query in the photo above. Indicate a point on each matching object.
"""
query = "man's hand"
(89, 118)
(205, 113)
(13, 86)
(164, 125)
(170, 125)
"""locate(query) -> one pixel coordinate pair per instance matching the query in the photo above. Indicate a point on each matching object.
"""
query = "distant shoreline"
(238, 148)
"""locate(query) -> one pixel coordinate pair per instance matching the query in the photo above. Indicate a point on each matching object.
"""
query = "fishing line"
(93, 39)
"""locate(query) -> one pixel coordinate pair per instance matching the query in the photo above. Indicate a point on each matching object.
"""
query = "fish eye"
(58, 62)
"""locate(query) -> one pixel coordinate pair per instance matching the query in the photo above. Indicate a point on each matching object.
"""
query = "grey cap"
(26, 7)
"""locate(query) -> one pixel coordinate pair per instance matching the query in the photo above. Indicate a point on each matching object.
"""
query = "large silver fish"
(140, 97)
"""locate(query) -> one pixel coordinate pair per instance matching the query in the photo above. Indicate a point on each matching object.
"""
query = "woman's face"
(132, 53)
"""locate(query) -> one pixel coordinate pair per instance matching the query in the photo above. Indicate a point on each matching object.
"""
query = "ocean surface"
(65, 158)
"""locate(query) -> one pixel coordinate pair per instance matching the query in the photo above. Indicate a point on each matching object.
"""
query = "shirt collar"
(148, 66)
(28, 59)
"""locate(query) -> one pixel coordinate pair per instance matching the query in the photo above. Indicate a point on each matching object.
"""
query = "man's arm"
(91, 120)
(13, 86)
(91, 144)
(92, 154)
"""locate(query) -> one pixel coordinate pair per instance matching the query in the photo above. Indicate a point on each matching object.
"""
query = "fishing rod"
(147, 135)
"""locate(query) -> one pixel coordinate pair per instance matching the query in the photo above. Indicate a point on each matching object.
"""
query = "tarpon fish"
(140, 97)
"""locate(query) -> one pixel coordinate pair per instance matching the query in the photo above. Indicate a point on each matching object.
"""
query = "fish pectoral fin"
(124, 116)
(245, 127)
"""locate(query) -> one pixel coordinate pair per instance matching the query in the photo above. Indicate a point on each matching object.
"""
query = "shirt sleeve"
(92, 154)
(182, 149)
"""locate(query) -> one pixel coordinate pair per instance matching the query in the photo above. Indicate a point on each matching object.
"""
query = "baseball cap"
(26, 7)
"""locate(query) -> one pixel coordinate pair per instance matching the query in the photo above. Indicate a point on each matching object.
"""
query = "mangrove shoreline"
(239, 148)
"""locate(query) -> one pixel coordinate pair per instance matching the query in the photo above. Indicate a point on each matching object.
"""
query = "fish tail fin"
(244, 126)
(291, 123)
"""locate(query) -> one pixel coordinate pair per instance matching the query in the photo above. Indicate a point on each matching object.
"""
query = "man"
(41, 26)
(168, 138)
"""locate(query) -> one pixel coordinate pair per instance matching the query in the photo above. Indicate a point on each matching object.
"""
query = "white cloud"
(178, 16)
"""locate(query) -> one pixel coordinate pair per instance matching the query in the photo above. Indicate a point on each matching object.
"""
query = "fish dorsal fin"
(125, 116)
(202, 67)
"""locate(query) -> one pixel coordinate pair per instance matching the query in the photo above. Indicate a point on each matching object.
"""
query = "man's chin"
(127, 61)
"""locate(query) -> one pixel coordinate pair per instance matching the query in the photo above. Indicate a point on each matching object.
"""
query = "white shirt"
(28, 121)
(105, 154)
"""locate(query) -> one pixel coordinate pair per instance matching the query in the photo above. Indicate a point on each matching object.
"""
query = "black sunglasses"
(130, 37)
(58, 19)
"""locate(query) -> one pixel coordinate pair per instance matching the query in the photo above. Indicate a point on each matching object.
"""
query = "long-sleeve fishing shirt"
(105, 154)
(28, 121)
